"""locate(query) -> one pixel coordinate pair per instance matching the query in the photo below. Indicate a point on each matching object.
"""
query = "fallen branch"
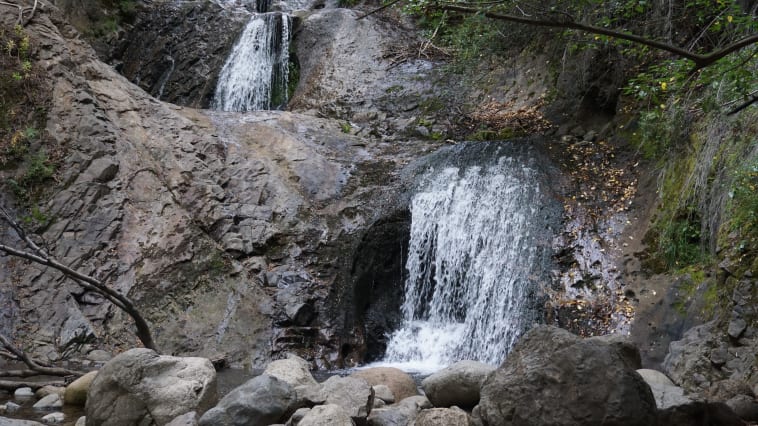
(33, 365)
(41, 257)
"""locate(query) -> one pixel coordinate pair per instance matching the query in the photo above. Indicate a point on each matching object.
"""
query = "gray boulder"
(4, 421)
(54, 418)
(293, 370)
(383, 393)
(47, 390)
(353, 394)
(297, 416)
(654, 377)
(11, 407)
(458, 384)
(554, 377)
(699, 413)
(23, 393)
(688, 362)
(326, 415)
(442, 416)
(262, 400)
(401, 414)
(400, 383)
(744, 406)
(76, 391)
(49, 402)
(140, 384)
(186, 419)
(666, 394)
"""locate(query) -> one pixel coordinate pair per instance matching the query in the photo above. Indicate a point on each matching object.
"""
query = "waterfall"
(476, 252)
(254, 76)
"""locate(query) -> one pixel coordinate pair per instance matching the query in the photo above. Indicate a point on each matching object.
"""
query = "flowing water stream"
(476, 257)
(255, 74)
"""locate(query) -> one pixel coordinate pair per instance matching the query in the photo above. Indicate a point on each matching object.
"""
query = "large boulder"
(293, 370)
(76, 391)
(400, 383)
(665, 392)
(262, 400)
(458, 384)
(699, 413)
(326, 415)
(554, 377)
(353, 394)
(139, 385)
(401, 414)
(442, 416)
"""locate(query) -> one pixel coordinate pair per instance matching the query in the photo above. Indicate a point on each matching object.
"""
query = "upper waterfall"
(255, 74)
(476, 252)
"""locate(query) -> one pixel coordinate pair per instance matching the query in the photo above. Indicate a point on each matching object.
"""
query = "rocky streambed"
(551, 377)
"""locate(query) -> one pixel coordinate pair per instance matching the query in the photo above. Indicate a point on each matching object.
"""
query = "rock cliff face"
(228, 230)
(175, 50)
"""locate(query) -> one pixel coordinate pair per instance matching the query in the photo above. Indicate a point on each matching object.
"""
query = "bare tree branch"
(743, 105)
(31, 14)
(33, 365)
(41, 257)
(701, 61)
(379, 9)
(21, 10)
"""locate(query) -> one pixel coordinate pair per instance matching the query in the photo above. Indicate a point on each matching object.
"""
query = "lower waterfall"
(476, 254)
(255, 74)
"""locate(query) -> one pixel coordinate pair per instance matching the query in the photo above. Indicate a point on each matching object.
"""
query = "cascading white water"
(473, 259)
(255, 74)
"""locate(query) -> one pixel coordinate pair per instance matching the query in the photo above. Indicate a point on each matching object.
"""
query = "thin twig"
(379, 9)
(31, 15)
(20, 10)
(701, 61)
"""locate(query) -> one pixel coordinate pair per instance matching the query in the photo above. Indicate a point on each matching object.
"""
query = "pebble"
(53, 418)
(23, 393)
(49, 402)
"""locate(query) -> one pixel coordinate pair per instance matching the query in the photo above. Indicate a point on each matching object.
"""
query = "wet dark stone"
(174, 51)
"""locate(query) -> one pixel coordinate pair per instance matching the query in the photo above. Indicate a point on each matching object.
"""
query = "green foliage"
(744, 206)
(36, 217)
(680, 241)
(293, 76)
(345, 127)
(36, 171)
(494, 135)
(22, 96)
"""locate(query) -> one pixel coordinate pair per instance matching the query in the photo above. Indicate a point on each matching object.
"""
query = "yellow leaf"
(729, 19)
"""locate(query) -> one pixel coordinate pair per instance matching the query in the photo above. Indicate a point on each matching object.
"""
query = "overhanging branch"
(701, 61)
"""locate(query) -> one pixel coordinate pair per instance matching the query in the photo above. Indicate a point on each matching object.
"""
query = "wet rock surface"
(139, 385)
(261, 400)
(174, 51)
(256, 215)
(458, 384)
(554, 377)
